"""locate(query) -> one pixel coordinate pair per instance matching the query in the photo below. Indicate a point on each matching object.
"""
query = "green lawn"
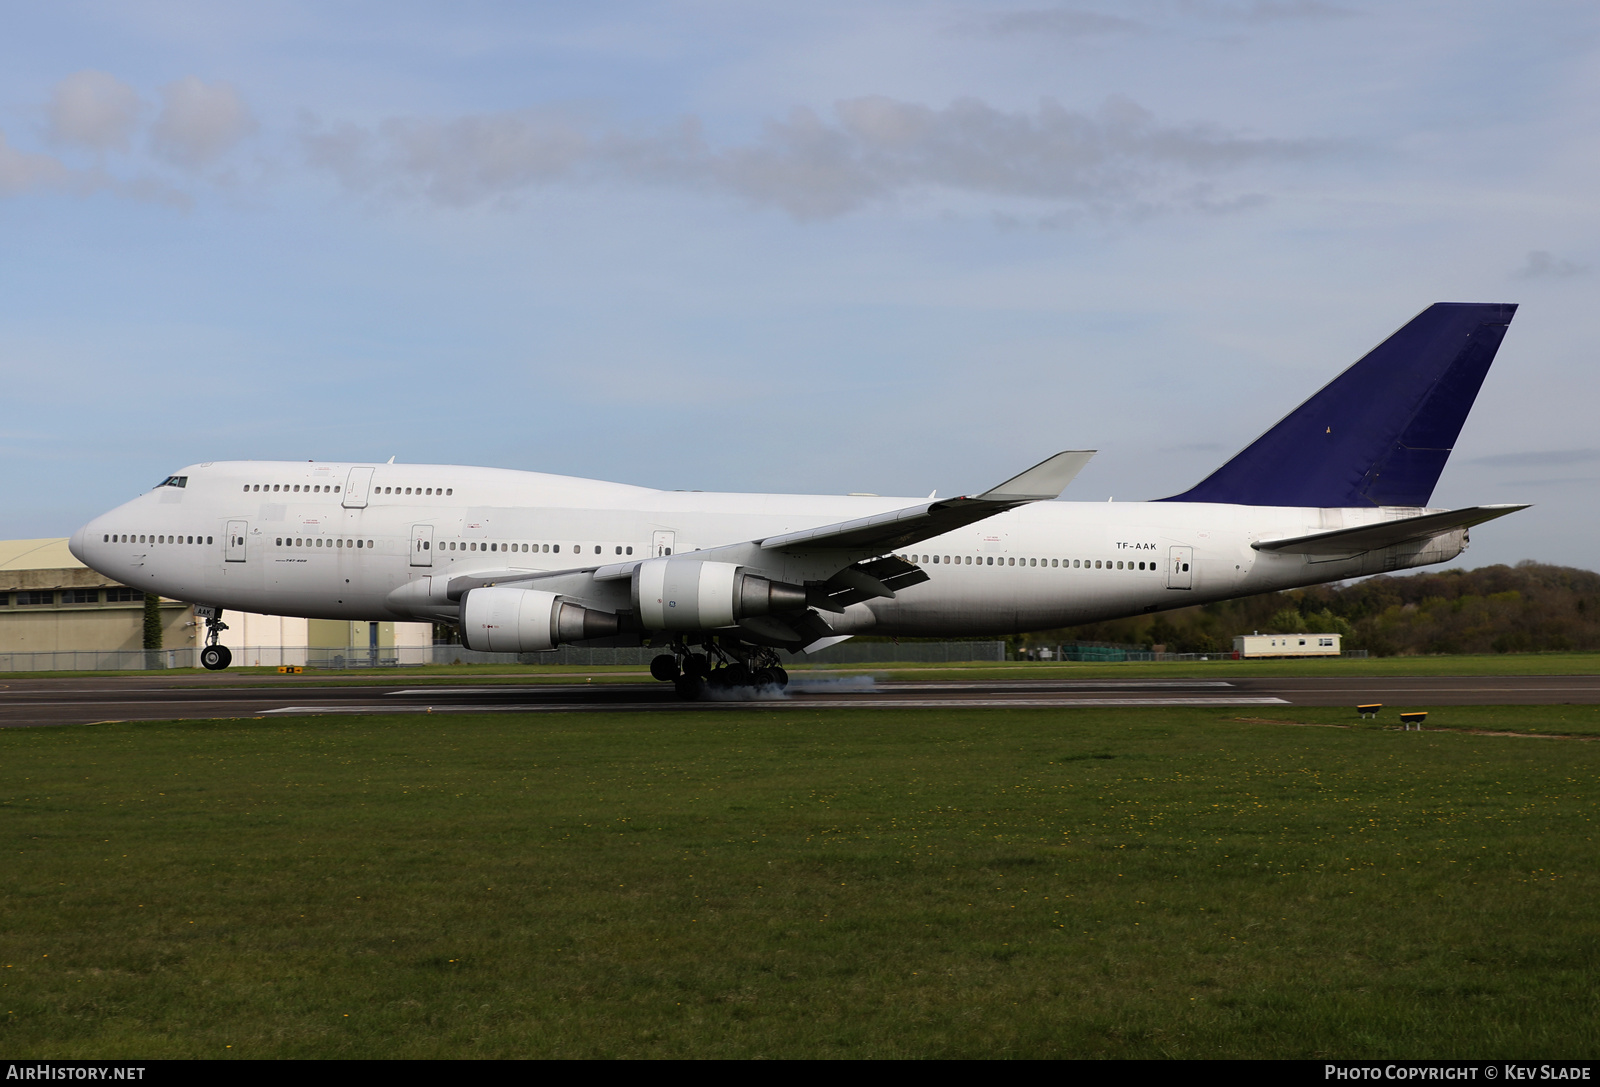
(793, 883)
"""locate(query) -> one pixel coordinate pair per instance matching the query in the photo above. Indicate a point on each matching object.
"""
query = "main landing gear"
(722, 666)
(215, 657)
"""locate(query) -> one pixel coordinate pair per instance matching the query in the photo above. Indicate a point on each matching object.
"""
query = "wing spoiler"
(1371, 537)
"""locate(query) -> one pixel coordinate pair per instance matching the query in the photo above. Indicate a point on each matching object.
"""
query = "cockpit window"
(174, 481)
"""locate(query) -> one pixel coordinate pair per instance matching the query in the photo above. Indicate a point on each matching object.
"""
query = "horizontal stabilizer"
(1386, 533)
(1378, 434)
(885, 532)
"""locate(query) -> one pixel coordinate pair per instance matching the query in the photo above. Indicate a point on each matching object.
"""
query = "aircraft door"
(421, 545)
(1179, 574)
(660, 544)
(234, 552)
(356, 488)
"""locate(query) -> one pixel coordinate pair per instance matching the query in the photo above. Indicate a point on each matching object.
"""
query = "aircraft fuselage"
(336, 541)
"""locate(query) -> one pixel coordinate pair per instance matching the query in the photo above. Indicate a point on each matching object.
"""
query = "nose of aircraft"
(76, 545)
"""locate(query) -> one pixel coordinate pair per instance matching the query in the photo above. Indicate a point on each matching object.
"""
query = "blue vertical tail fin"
(1378, 434)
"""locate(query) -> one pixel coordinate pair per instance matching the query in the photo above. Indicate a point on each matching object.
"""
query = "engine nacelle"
(685, 593)
(506, 619)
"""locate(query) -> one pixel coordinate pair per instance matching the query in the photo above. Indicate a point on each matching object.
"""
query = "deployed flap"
(881, 577)
(885, 532)
(1385, 533)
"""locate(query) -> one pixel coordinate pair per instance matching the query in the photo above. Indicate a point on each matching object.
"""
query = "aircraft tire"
(664, 667)
(214, 658)
(697, 664)
(780, 677)
(689, 687)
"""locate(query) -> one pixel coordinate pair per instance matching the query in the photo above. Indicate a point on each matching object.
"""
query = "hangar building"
(50, 603)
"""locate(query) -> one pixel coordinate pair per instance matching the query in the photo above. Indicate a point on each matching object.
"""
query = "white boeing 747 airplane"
(523, 562)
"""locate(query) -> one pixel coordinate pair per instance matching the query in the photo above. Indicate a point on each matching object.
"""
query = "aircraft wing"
(884, 532)
(1371, 537)
(879, 533)
(462, 582)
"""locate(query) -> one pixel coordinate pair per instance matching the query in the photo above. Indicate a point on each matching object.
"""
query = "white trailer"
(1286, 645)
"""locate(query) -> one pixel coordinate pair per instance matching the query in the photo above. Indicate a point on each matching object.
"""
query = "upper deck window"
(174, 481)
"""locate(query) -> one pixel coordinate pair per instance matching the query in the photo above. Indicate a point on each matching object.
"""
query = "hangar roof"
(37, 555)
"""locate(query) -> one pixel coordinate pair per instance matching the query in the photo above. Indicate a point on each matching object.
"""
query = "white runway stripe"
(799, 703)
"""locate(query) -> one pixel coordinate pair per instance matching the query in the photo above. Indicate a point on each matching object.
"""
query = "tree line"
(1527, 608)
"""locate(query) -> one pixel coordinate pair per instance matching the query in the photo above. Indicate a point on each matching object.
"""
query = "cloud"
(21, 171)
(199, 122)
(24, 171)
(1548, 458)
(1057, 22)
(1076, 22)
(93, 109)
(1563, 482)
(1267, 11)
(1543, 265)
(870, 150)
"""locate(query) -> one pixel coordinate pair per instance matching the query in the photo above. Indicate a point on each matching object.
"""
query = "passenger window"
(449, 490)
(558, 549)
(630, 550)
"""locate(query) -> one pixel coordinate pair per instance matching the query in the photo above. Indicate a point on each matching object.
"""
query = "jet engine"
(505, 619)
(685, 593)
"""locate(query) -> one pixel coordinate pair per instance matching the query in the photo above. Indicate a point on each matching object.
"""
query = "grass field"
(792, 883)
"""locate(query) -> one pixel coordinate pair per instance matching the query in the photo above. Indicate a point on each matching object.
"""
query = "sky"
(822, 248)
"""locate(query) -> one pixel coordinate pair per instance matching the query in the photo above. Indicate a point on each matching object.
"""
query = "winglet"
(1042, 482)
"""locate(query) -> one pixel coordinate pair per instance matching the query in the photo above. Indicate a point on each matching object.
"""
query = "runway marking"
(886, 685)
(1455, 688)
(141, 702)
(799, 703)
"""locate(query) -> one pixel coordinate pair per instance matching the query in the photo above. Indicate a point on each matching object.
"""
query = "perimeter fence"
(360, 656)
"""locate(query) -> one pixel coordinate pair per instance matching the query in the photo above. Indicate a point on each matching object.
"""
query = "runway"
(72, 700)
